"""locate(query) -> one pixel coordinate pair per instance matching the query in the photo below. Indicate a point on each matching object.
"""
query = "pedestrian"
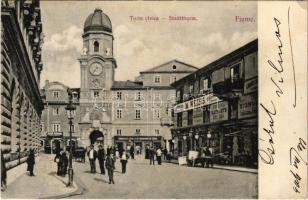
(92, 154)
(158, 155)
(132, 152)
(63, 163)
(3, 173)
(124, 161)
(109, 164)
(165, 153)
(31, 162)
(101, 158)
(108, 150)
(208, 157)
(152, 156)
(58, 161)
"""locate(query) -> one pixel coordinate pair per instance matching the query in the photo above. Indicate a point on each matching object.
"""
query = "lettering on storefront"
(219, 111)
(138, 138)
(196, 103)
(248, 106)
(251, 86)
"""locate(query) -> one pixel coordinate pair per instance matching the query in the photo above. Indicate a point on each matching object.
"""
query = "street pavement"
(165, 181)
(45, 183)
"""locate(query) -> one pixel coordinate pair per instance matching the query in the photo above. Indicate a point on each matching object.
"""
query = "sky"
(141, 45)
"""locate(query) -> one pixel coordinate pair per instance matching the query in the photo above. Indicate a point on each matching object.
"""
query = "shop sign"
(251, 86)
(184, 119)
(248, 106)
(198, 116)
(137, 138)
(196, 103)
(219, 111)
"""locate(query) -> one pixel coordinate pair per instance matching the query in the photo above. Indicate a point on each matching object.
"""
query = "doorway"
(96, 137)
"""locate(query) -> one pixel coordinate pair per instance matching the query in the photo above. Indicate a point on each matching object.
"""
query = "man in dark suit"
(92, 154)
(101, 158)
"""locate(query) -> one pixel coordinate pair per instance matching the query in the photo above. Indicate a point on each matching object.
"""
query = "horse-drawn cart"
(80, 154)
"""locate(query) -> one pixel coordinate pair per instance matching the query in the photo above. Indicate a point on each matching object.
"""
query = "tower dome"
(97, 21)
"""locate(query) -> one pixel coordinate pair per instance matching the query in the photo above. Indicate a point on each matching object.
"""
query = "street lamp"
(196, 137)
(209, 135)
(70, 108)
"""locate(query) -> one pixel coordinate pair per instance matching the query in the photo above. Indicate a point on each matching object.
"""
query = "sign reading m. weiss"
(196, 103)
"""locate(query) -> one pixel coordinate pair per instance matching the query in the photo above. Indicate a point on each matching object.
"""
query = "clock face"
(96, 69)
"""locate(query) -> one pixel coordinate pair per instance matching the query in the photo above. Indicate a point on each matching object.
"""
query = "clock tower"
(97, 67)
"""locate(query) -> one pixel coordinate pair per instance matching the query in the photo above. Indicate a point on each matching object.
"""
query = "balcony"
(229, 88)
(165, 121)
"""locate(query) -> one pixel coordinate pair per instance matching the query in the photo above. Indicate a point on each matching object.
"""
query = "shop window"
(96, 46)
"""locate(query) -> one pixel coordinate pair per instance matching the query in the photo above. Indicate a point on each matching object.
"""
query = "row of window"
(157, 79)
(138, 95)
(56, 127)
(205, 84)
(57, 111)
(138, 132)
(156, 114)
(56, 94)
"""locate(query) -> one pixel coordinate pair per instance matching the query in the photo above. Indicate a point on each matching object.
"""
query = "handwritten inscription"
(296, 159)
(267, 153)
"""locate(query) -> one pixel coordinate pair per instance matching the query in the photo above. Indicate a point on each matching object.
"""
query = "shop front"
(140, 143)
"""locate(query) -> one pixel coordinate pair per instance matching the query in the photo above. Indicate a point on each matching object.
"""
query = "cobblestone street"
(165, 181)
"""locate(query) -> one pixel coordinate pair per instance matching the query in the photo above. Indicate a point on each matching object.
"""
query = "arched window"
(96, 46)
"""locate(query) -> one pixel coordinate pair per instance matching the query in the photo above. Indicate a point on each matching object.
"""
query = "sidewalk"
(45, 183)
(225, 167)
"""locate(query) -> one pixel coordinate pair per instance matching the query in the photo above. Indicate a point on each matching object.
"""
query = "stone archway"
(96, 136)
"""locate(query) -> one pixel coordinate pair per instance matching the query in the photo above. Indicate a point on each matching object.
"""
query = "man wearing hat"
(101, 158)
(92, 154)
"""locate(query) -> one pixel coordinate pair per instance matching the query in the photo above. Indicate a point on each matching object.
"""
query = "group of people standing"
(155, 152)
(62, 162)
(105, 160)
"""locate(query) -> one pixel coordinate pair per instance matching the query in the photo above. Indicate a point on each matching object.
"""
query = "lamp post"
(184, 145)
(209, 135)
(196, 137)
(70, 108)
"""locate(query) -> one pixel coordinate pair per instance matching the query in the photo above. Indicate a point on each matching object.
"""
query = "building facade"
(217, 107)
(21, 65)
(114, 113)
(54, 122)
(142, 110)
